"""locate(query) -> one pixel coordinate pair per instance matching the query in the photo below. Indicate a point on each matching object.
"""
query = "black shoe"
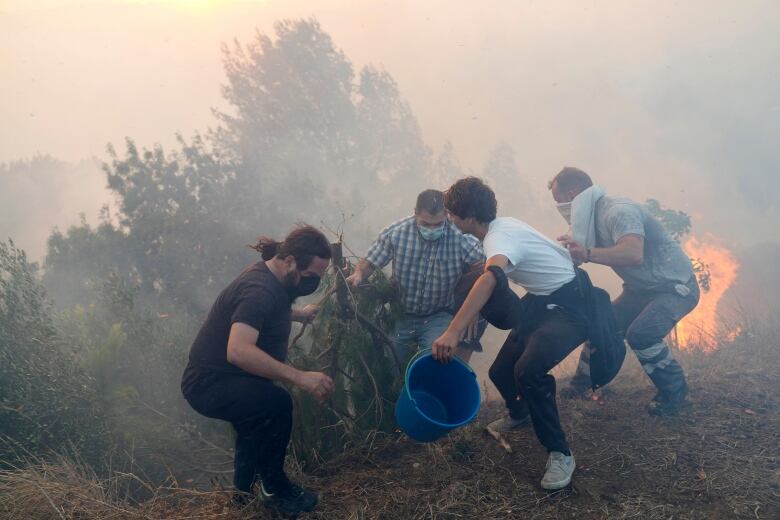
(288, 498)
(668, 404)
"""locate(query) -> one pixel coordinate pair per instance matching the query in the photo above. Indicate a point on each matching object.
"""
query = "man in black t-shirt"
(240, 353)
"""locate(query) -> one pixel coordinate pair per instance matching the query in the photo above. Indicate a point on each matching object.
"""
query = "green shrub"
(48, 403)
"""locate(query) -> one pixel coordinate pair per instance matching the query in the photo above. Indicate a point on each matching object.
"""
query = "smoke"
(672, 101)
(43, 193)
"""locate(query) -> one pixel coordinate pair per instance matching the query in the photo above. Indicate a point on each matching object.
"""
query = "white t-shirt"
(538, 264)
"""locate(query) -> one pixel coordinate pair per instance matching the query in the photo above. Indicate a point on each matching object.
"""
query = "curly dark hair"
(303, 243)
(471, 197)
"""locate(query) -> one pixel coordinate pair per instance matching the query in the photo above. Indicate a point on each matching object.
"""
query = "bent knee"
(494, 373)
(527, 376)
(639, 339)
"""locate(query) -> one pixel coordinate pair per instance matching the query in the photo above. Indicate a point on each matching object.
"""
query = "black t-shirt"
(256, 298)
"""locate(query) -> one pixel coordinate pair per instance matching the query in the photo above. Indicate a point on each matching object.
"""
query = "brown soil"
(720, 459)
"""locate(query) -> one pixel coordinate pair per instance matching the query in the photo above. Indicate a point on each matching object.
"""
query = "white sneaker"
(506, 424)
(559, 470)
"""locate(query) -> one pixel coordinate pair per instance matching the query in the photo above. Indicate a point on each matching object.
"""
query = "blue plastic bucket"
(436, 397)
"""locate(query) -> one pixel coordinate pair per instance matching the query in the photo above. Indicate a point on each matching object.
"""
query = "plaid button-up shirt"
(426, 271)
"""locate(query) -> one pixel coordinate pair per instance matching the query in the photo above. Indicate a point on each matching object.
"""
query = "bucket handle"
(420, 353)
(417, 355)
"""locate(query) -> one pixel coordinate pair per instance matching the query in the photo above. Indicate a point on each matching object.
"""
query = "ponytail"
(267, 247)
(303, 243)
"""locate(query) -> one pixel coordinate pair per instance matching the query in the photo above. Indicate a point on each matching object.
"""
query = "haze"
(678, 101)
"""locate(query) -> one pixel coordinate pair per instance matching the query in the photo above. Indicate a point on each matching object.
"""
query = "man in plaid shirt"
(429, 256)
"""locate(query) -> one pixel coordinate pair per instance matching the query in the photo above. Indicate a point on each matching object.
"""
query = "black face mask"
(306, 286)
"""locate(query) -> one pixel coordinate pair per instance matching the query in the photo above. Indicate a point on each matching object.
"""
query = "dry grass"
(65, 490)
(719, 460)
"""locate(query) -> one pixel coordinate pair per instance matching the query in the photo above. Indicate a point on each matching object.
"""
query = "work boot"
(288, 498)
(559, 470)
(668, 404)
(508, 423)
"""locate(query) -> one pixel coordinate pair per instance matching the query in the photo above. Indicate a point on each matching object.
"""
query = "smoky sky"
(678, 101)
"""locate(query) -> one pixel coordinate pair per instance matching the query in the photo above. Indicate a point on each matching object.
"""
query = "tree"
(301, 125)
(177, 237)
(391, 144)
(350, 342)
(302, 139)
(47, 402)
(678, 224)
(446, 169)
(80, 257)
(184, 236)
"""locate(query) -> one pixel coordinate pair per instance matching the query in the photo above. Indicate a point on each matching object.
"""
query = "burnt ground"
(720, 459)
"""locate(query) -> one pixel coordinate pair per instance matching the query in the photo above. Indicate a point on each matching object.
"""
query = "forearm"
(477, 298)
(615, 256)
(366, 268)
(253, 360)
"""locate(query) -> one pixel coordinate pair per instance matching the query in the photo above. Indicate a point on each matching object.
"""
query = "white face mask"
(564, 208)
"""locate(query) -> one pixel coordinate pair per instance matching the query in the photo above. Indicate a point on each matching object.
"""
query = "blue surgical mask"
(431, 234)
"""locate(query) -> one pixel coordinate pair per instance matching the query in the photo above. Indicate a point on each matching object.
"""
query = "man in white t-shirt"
(549, 322)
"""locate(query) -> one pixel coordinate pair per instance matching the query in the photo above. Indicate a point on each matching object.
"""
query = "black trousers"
(646, 318)
(546, 333)
(259, 410)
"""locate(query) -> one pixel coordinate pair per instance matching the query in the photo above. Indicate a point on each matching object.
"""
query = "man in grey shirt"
(659, 288)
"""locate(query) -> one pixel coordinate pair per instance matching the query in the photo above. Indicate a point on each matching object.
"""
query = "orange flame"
(701, 327)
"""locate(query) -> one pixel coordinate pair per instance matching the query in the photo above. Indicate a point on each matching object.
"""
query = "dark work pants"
(261, 413)
(521, 372)
(646, 318)
(521, 369)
